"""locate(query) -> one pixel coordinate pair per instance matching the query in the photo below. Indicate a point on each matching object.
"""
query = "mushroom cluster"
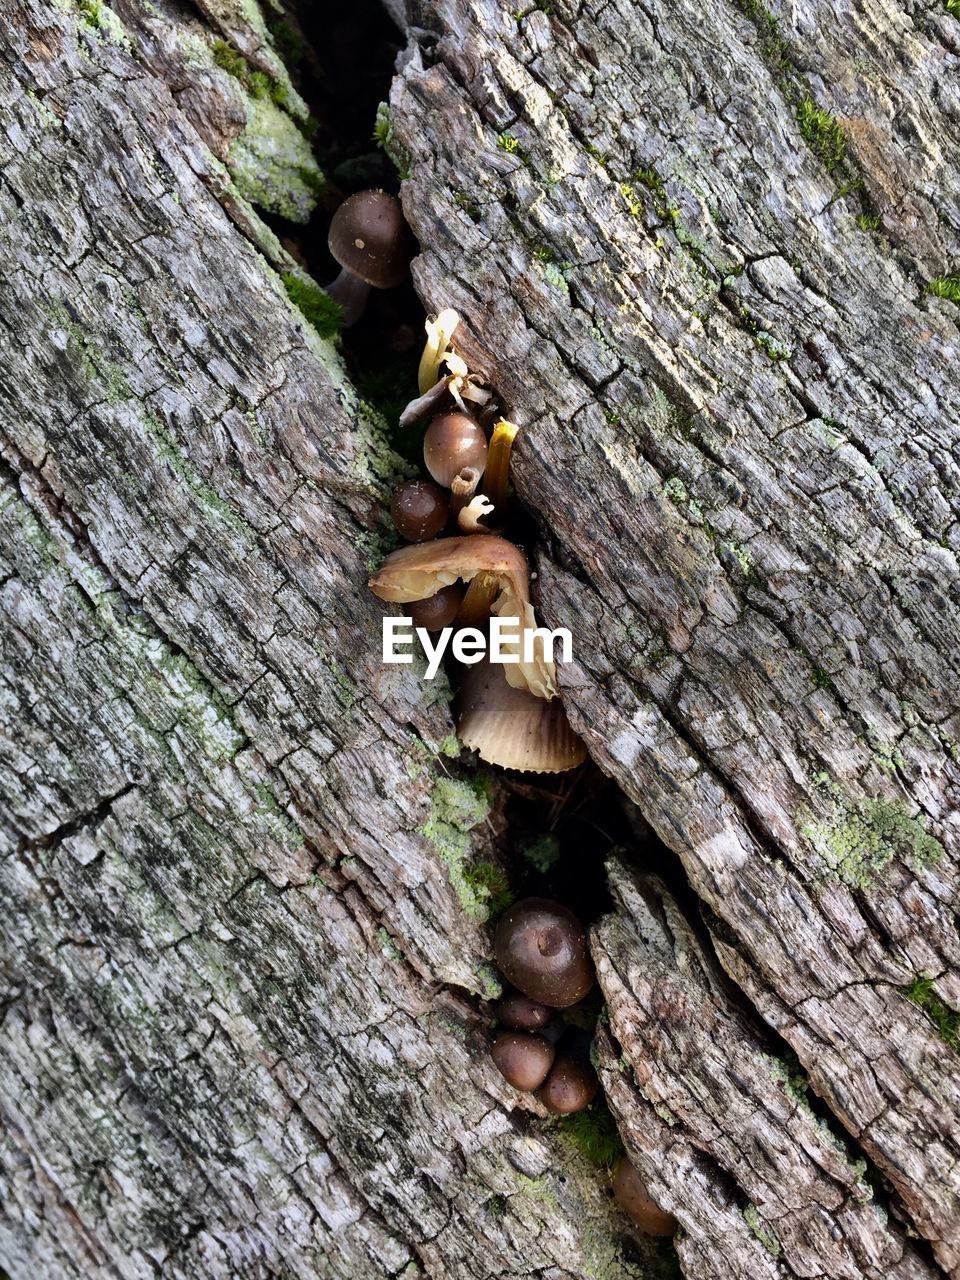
(541, 948)
(459, 568)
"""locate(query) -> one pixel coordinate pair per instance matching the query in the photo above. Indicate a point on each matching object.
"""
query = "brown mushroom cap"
(510, 727)
(369, 237)
(418, 571)
(419, 509)
(437, 611)
(453, 441)
(519, 1012)
(541, 948)
(571, 1086)
(523, 1059)
(634, 1199)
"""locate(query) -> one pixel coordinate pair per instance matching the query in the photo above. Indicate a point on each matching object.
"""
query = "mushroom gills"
(513, 728)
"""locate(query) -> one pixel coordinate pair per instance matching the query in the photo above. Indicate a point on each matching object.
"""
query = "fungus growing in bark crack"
(520, 1013)
(420, 510)
(420, 570)
(437, 611)
(524, 1060)
(462, 489)
(571, 1086)
(634, 1199)
(440, 329)
(541, 948)
(453, 441)
(498, 464)
(370, 240)
(477, 509)
(511, 728)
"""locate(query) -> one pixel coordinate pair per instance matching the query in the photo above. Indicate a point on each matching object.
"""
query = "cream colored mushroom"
(420, 570)
(511, 728)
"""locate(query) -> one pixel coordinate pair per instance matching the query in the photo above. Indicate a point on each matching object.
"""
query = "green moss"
(861, 838)
(457, 806)
(953, 7)
(822, 132)
(100, 18)
(821, 679)
(316, 304)
(652, 182)
(450, 747)
(272, 164)
(868, 221)
(469, 206)
(387, 944)
(507, 142)
(542, 852)
(946, 287)
(387, 141)
(763, 1233)
(947, 1022)
(594, 1133)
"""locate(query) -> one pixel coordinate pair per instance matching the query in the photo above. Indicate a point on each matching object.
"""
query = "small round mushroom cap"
(369, 237)
(571, 1086)
(523, 1059)
(519, 1012)
(634, 1199)
(437, 611)
(541, 949)
(453, 441)
(420, 510)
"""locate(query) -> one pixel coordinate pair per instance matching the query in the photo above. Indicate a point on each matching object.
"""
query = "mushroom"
(523, 1059)
(571, 1086)
(511, 728)
(420, 570)
(371, 242)
(420, 510)
(498, 462)
(437, 611)
(541, 949)
(634, 1199)
(519, 1012)
(468, 519)
(453, 441)
(440, 329)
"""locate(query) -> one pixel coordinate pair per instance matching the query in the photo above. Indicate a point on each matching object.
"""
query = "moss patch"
(947, 1022)
(861, 839)
(594, 1133)
(316, 304)
(457, 806)
(946, 287)
(763, 1233)
(542, 852)
(272, 163)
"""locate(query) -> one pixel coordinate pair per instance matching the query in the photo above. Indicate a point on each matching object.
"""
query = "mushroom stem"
(351, 293)
(462, 489)
(498, 463)
(479, 596)
(439, 332)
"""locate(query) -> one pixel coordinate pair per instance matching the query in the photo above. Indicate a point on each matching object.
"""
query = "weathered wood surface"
(741, 431)
(240, 1032)
(235, 1037)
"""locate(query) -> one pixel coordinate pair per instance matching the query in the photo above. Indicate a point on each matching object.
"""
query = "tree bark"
(244, 883)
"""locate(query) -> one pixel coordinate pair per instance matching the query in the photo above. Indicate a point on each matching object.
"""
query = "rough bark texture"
(242, 887)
